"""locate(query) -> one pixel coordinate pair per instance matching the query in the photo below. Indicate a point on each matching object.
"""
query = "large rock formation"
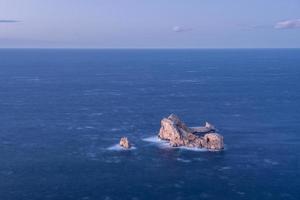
(178, 134)
(125, 143)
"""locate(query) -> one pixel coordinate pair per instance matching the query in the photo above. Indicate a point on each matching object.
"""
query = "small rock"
(125, 143)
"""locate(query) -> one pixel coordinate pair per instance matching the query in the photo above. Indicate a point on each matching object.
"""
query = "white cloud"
(179, 29)
(8, 21)
(288, 24)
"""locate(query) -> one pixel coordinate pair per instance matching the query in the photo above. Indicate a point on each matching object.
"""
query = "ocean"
(63, 112)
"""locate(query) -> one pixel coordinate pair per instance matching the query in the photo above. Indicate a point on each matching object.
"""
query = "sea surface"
(63, 111)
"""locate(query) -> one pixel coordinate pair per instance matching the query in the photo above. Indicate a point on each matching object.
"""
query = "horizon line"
(150, 48)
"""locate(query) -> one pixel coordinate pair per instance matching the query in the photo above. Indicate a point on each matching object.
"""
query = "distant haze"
(150, 24)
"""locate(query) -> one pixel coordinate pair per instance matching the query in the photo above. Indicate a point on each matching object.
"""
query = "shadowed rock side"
(178, 134)
(125, 143)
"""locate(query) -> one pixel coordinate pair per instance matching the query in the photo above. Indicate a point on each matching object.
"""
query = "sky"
(149, 23)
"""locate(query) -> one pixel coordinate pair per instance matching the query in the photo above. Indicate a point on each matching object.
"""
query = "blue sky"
(150, 23)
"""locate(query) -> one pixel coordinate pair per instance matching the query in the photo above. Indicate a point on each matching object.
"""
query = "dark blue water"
(61, 111)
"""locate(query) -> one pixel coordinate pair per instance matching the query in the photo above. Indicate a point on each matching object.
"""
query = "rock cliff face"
(125, 143)
(178, 134)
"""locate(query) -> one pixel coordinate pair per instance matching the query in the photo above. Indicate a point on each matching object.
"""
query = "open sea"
(62, 112)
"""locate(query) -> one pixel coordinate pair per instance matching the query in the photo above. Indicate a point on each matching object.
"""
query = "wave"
(271, 162)
(157, 141)
(183, 160)
(117, 147)
(192, 149)
(165, 144)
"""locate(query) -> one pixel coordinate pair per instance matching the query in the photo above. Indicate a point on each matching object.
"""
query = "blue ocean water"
(62, 112)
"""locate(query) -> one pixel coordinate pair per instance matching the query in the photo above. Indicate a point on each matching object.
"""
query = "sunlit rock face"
(125, 143)
(178, 134)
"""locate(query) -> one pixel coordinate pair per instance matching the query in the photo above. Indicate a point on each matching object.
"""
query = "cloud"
(8, 21)
(288, 24)
(179, 29)
(253, 27)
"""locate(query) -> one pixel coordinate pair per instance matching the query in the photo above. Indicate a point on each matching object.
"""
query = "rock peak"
(125, 143)
(178, 134)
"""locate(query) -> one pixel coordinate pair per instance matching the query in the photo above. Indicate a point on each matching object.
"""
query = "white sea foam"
(112, 93)
(96, 114)
(153, 139)
(189, 81)
(91, 136)
(192, 149)
(191, 71)
(83, 127)
(225, 168)
(183, 160)
(176, 185)
(26, 78)
(89, 127)
(227, 104)
(240, 193)
(92, 155)
(117, 147)
(7, 172)
(115, 129)
(199, 159)
(157, 141)
(33, 79)
(165, 144)
(271, 162)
